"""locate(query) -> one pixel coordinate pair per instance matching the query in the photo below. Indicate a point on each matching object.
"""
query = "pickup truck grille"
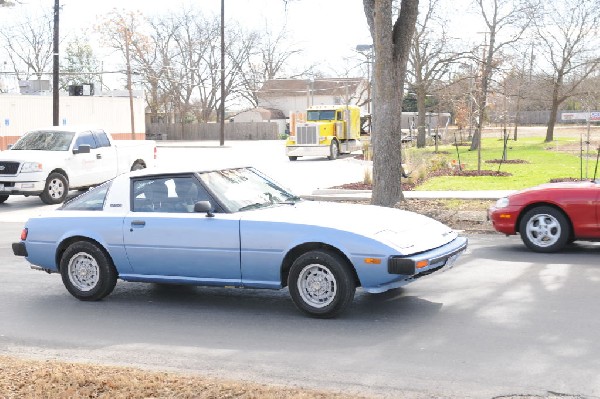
(307, 134)
(8, 168)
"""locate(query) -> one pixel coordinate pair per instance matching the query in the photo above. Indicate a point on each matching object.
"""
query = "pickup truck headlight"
(502, 203)
(31, 167)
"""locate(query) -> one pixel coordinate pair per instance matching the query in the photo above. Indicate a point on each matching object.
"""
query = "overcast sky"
(328, 30)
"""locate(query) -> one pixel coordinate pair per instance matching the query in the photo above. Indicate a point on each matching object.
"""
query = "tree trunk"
(421, 114)
(392, 47)
(554, 108)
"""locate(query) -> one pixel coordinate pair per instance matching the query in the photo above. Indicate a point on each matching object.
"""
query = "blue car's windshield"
(244, 189)
(44, 141)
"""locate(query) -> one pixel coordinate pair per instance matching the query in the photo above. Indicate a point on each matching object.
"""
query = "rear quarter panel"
(45, 236)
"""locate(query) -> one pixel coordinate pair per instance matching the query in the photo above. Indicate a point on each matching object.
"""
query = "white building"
(21, 113)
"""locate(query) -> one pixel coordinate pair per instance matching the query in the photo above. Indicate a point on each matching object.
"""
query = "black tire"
(293, 158)
(56, 189)
(137, 166)
(334, 150)
(3, 198)
(544, 229)
(306, 281)
(87, 271)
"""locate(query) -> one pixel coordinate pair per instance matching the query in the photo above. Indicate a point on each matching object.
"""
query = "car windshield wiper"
(254, 206)
(291, 200)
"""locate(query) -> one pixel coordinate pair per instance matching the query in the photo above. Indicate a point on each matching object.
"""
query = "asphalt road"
(503, 321)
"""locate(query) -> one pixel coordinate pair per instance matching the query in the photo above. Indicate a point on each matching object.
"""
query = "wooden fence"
(212, 131)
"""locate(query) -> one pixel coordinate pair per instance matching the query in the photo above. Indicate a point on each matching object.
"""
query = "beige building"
(278, 98)
(296, 95)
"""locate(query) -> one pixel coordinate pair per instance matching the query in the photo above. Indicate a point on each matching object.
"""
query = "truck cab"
(324, 130)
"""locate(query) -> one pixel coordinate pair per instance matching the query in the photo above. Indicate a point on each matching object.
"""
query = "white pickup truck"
(50, 162)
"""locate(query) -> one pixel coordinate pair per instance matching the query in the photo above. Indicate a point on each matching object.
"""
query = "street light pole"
(55, 68)
(222, 108)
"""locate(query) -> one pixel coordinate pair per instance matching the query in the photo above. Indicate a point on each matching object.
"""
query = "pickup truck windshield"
(44, 141)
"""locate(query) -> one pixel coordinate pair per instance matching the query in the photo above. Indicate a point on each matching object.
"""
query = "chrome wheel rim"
(543, 230)
(84, 272)
(317, 285)
(56, 188)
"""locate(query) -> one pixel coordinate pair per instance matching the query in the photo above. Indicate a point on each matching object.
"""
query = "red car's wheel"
(545, 229)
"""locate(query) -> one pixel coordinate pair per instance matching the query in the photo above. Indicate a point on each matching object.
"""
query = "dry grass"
(21, 378)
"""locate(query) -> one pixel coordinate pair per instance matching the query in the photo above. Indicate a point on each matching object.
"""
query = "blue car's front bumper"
(412, 267)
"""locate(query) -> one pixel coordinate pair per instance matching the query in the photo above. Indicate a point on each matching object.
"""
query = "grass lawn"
(545, 161)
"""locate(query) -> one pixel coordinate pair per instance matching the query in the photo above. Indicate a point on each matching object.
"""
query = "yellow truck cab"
(325, 130)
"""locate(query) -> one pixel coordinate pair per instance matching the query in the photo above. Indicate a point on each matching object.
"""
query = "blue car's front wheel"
(321, 283)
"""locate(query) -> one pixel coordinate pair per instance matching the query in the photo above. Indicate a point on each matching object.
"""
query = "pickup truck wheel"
(293, 158)
(137, 166)
(544, 229)
(334, 150)
(321, 284)
(3, 198)
(87, 272)
(56, 190)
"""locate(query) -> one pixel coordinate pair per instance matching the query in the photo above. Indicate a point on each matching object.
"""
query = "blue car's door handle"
(137, 223)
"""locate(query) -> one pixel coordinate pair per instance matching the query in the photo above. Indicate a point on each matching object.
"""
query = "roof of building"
(267, 113)
(301, 87)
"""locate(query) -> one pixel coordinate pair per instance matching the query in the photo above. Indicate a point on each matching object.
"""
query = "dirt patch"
(54, 379)
(465, 215)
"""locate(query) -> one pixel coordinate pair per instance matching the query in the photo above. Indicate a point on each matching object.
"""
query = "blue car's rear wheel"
(87, 272)
(321, 284)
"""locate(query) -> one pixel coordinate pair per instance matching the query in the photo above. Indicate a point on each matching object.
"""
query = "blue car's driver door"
(165, 240)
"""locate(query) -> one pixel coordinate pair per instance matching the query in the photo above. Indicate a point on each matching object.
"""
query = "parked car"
(233, 227)
(50, 162)
(550, 216)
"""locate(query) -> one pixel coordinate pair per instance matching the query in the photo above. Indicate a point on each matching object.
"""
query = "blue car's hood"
(407, 231)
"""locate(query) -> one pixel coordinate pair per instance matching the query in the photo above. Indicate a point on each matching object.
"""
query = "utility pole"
(222, 108)
(129, 88)
(55, 67)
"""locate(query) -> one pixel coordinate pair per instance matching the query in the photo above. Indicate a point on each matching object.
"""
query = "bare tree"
(29, 45)
(268, 61)
(505, 21)
(8, 3)
(121, 31)
(430, 59)
(568, 33)
(392, 43)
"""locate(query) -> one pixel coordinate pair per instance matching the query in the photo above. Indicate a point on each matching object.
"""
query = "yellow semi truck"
(324, 130)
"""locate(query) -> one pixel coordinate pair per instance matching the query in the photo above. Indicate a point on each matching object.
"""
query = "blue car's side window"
(171, 194)
(92, 200)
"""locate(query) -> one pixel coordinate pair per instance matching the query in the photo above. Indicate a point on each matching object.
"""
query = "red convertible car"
(550, 216)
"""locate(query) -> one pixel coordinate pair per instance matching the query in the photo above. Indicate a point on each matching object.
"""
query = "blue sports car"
(233, 227)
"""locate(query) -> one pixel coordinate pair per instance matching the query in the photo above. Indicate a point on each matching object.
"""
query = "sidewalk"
(358, 195)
